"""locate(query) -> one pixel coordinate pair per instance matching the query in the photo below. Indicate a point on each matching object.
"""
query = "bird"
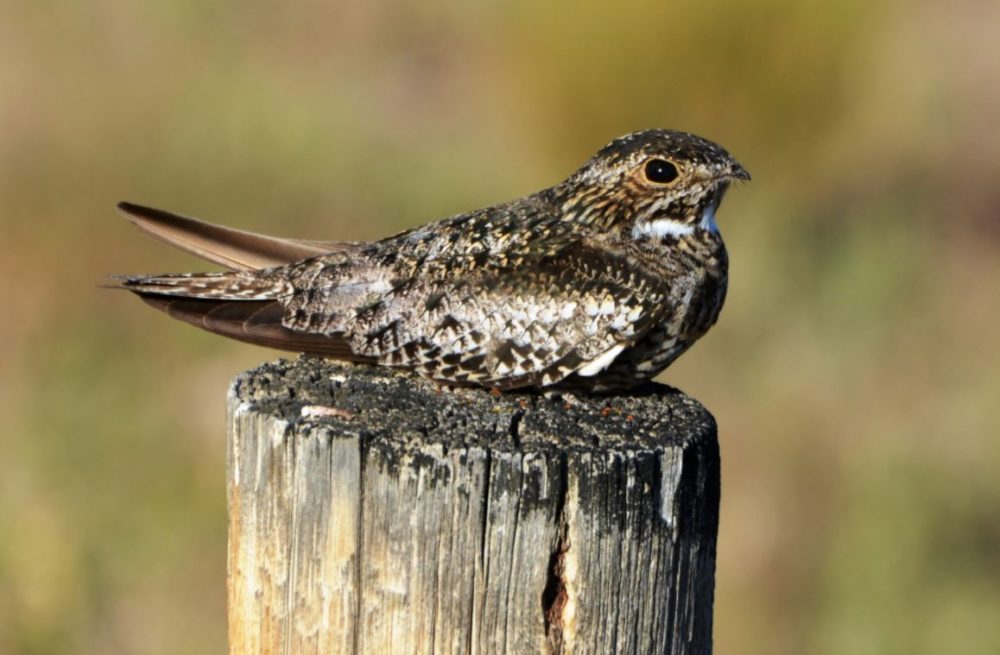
(595, 284)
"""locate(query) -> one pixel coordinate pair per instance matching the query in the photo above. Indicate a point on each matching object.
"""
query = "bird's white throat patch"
(668, 227)
(661, 227)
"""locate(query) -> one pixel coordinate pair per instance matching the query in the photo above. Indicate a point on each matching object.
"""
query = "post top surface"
(394, 407)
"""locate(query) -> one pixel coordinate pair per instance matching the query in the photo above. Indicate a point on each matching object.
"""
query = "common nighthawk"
(597, 283)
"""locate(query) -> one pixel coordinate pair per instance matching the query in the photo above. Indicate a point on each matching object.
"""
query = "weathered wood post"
(371, 512)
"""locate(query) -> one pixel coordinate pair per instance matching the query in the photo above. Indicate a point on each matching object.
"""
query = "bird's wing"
(234, 249)
(504, 298)
(524, 316)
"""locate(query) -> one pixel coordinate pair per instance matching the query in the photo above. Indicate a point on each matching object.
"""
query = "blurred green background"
(855, 372)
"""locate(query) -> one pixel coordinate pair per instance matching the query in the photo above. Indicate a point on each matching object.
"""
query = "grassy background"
(855, 372)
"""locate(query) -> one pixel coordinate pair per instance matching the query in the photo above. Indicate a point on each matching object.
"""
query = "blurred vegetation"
(855, 372)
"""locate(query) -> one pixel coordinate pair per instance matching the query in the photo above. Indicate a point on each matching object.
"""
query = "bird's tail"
(242, 304)
(238, 305)
(202, 286)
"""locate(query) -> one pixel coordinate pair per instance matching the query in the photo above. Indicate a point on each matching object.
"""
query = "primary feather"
(234, 249)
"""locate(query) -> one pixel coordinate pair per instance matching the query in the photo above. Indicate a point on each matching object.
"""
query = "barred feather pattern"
(207, 286)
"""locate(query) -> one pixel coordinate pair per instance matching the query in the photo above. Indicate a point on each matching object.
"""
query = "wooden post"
(371, 512)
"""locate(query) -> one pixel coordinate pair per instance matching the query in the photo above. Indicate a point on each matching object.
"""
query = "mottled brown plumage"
(597, 283)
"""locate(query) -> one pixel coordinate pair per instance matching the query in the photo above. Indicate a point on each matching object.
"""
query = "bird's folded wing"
(515, 320)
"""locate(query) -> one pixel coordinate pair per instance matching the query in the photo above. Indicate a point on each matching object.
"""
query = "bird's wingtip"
(130, 208)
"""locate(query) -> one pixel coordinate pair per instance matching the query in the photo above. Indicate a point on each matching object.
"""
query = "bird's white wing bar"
(601, 362)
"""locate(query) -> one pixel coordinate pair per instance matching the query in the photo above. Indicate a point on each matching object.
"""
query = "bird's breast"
(694, 299)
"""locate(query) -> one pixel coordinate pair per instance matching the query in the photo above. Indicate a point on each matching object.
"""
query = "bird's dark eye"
(660, 171)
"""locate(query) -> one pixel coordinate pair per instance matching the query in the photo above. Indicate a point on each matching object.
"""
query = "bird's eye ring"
(661, 171)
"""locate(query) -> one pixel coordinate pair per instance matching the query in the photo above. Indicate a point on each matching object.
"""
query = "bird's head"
(654, 184)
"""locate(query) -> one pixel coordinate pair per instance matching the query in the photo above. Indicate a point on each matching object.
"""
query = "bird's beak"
(734, 171)
(737, 172)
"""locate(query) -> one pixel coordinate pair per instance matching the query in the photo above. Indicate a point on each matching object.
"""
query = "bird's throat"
(707, 221)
